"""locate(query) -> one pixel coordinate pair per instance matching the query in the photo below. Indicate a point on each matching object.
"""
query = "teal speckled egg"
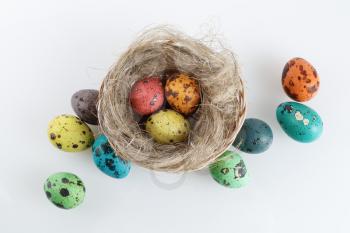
(107, 161)
(254, 137)
(300, 122)
(229, 170)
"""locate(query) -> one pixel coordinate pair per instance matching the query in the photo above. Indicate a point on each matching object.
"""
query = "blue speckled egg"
(107, 161)
(300, 122)
(255, 136)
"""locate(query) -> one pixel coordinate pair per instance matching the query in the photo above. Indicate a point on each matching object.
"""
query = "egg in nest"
(182, 93)
(168, 126)
(147, 95)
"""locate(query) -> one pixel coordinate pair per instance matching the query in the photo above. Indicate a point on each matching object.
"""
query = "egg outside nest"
(229, 170)
(65, 190)
(84, 105)
(299, 121)
(300, 80)
(69, 133)
(107, 161)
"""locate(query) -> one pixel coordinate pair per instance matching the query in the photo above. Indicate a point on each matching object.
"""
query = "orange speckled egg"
(300, 80)
(182, 93)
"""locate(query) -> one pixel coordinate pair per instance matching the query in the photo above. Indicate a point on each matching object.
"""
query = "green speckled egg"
(229, 170)
(65, 190)
(300, 122)
(168, 126)
(69, 133)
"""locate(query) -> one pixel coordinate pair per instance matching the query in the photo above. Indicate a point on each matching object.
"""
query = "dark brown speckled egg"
(84, 105)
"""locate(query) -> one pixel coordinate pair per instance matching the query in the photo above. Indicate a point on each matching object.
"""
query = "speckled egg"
(299, 121)
(168, 126)
(147, 95)
(229, 170)
(300, 80)
(69, 133)
(65, 190)
(254, 137)
(107, 161)
(84, 105)
(182, 93)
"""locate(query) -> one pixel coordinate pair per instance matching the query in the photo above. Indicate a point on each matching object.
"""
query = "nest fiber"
(214, 125)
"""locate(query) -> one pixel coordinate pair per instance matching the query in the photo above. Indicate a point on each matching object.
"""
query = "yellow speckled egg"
(69, 133)
(168, 126)
(182, 93)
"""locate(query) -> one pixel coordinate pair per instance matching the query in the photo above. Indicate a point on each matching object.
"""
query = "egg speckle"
(299, 121)
(107, 161)
(182, 93)
(65, 190)
(69, 133)
(147, 96)
(229, 170)
(168, 126)
(84, 105)
(300, 80)
(254, 137)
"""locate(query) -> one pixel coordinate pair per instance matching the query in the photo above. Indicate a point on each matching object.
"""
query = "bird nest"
(214, 125)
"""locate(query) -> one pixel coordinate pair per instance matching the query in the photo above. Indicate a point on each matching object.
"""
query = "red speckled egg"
(147, 95)
(300, 80)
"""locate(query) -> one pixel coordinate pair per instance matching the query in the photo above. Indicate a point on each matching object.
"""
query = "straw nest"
(214, 125)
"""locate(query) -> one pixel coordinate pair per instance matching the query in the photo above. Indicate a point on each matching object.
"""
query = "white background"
(50, 49)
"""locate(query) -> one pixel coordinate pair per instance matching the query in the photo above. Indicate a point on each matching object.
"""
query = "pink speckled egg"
(147, 95)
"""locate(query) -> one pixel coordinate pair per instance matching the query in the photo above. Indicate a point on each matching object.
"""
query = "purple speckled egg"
(84, 105)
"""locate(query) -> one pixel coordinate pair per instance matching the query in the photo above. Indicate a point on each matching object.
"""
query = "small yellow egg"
(168, 126)
(69, 133)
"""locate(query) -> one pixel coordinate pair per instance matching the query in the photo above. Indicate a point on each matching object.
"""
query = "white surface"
(50, 49)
